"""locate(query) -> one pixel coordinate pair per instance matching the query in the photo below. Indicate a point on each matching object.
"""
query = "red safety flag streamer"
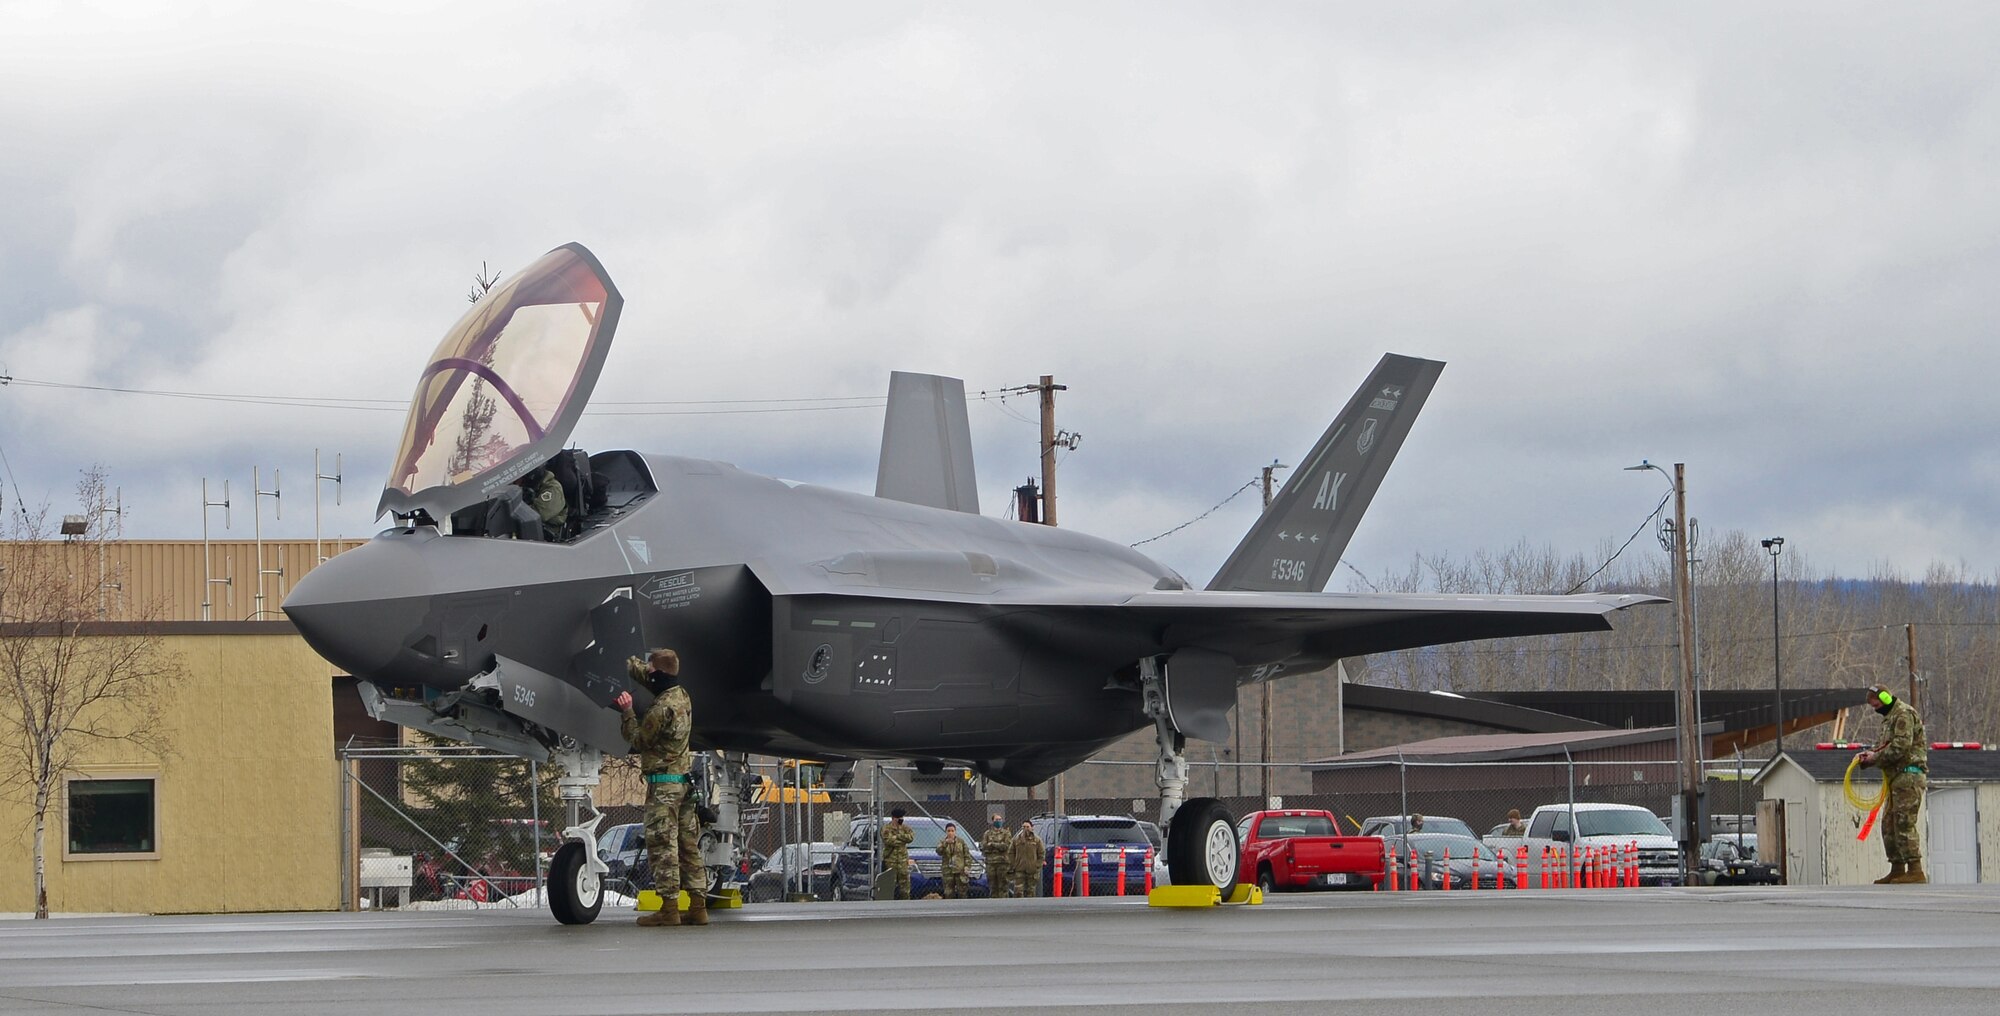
(1869, 826)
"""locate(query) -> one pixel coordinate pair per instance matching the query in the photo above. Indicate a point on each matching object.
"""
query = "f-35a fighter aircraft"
(823, 623)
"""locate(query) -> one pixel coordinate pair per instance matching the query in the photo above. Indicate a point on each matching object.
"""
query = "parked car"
(1425, 853)
(1300, 848)
(1102, 839)
(1396, 825)
(851, 861)
(623, 848)
(1724, 862)
(795, 867)
(1598, 825)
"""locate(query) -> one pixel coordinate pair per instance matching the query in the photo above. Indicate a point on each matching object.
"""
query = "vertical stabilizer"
(927, 445)
(1297, 543)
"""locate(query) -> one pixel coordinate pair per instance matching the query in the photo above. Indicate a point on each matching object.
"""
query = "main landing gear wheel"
(575, 894)
(1201, 845)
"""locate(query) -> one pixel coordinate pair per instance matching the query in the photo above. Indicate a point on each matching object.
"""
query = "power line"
(1657, 509)
(1218, 506)
(684, 407)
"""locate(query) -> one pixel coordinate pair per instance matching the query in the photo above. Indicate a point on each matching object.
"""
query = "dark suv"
(851, 861)
(1102, 838)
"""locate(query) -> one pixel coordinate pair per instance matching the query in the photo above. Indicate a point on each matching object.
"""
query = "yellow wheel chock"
(1241, 894)
(723, 899)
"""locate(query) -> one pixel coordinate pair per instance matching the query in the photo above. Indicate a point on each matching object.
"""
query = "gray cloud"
(1755, 240)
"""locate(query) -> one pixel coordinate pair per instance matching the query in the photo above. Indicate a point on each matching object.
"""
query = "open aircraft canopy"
(504, 389)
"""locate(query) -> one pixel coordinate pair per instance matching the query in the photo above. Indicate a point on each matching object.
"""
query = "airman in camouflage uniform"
(1904, 758)
(995, 846)
(673, 833)
(1025, 857)
(954, 863)
(896, 837)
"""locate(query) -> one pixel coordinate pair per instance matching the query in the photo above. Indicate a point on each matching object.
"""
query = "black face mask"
(659, 681)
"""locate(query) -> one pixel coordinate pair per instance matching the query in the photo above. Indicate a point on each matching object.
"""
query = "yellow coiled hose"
(1859, 802)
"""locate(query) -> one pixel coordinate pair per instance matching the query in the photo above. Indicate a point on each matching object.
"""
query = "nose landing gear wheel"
(575, 894)
(1201, 845)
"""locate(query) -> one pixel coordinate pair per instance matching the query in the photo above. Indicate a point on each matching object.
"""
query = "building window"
(112, 817)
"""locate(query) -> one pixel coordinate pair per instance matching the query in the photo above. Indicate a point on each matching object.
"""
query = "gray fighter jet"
(824, 623)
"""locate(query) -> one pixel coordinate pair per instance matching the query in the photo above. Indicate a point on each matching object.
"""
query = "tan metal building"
(241, 814)
(193, 580)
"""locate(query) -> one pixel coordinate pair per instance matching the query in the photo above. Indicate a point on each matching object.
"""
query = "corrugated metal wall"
(161, 580)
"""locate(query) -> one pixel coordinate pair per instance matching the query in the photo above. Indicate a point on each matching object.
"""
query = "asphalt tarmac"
(1778, 951)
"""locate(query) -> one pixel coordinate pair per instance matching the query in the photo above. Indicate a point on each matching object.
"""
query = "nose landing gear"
(576, 875)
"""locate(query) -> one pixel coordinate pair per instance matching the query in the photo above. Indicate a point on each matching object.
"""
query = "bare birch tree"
(70, 689)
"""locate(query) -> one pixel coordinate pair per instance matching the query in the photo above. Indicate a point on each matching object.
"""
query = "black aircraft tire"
(575, 895)
(1201, 845)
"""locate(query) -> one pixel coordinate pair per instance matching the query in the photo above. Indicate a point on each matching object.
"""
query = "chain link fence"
(478, 828)
(447, 823)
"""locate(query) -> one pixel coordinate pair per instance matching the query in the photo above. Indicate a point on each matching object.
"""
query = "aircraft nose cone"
(360, 608)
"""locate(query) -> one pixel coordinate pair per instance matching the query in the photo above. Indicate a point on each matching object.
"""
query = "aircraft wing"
(1339, 625)
(1214, 641)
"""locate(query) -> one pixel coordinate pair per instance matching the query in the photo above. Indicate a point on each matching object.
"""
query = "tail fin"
(1297, 543)
(926, 444)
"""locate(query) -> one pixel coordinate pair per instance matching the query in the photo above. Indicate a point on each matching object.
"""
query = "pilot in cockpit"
(544, 494)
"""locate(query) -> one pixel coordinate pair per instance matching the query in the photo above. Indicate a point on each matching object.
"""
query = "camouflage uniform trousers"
(998, 879)
(952, 885)
(899, 872)
(1902, 832)
(673, 840)
(1028, 882)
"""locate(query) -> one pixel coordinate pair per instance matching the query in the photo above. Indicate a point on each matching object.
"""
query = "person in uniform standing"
(995, 846)
(1904, 758)
(1025, 857)
(673, 832)
(954, 863)
(896, 837)
(1514, 825)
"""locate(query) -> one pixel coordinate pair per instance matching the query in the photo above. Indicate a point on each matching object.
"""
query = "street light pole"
(1690, 721)
(1775, 546)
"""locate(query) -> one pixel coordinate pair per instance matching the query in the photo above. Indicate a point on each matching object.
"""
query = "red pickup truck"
(1300, 848)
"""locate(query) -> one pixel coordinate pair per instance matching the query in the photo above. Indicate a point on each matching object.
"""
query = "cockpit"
(565, 498)
(483, 446)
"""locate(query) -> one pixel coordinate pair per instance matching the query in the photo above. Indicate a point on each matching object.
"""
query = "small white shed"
(1961, 818)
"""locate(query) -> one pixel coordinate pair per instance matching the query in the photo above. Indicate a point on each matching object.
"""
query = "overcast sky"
(1747, 237)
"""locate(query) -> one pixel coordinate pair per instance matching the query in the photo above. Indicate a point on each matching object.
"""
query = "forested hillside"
(1833, 631)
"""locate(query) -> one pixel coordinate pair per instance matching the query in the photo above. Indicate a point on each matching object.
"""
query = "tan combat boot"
(668, 916)
(1895, 872)
(697, 914)
(1912, 875)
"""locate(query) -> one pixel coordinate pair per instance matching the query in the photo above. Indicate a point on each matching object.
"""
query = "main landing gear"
(1201, 835)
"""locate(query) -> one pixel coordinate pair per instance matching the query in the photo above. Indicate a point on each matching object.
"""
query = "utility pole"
(1264, 724)
(1051, 440)
(1690, 722)
(1910, 633)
